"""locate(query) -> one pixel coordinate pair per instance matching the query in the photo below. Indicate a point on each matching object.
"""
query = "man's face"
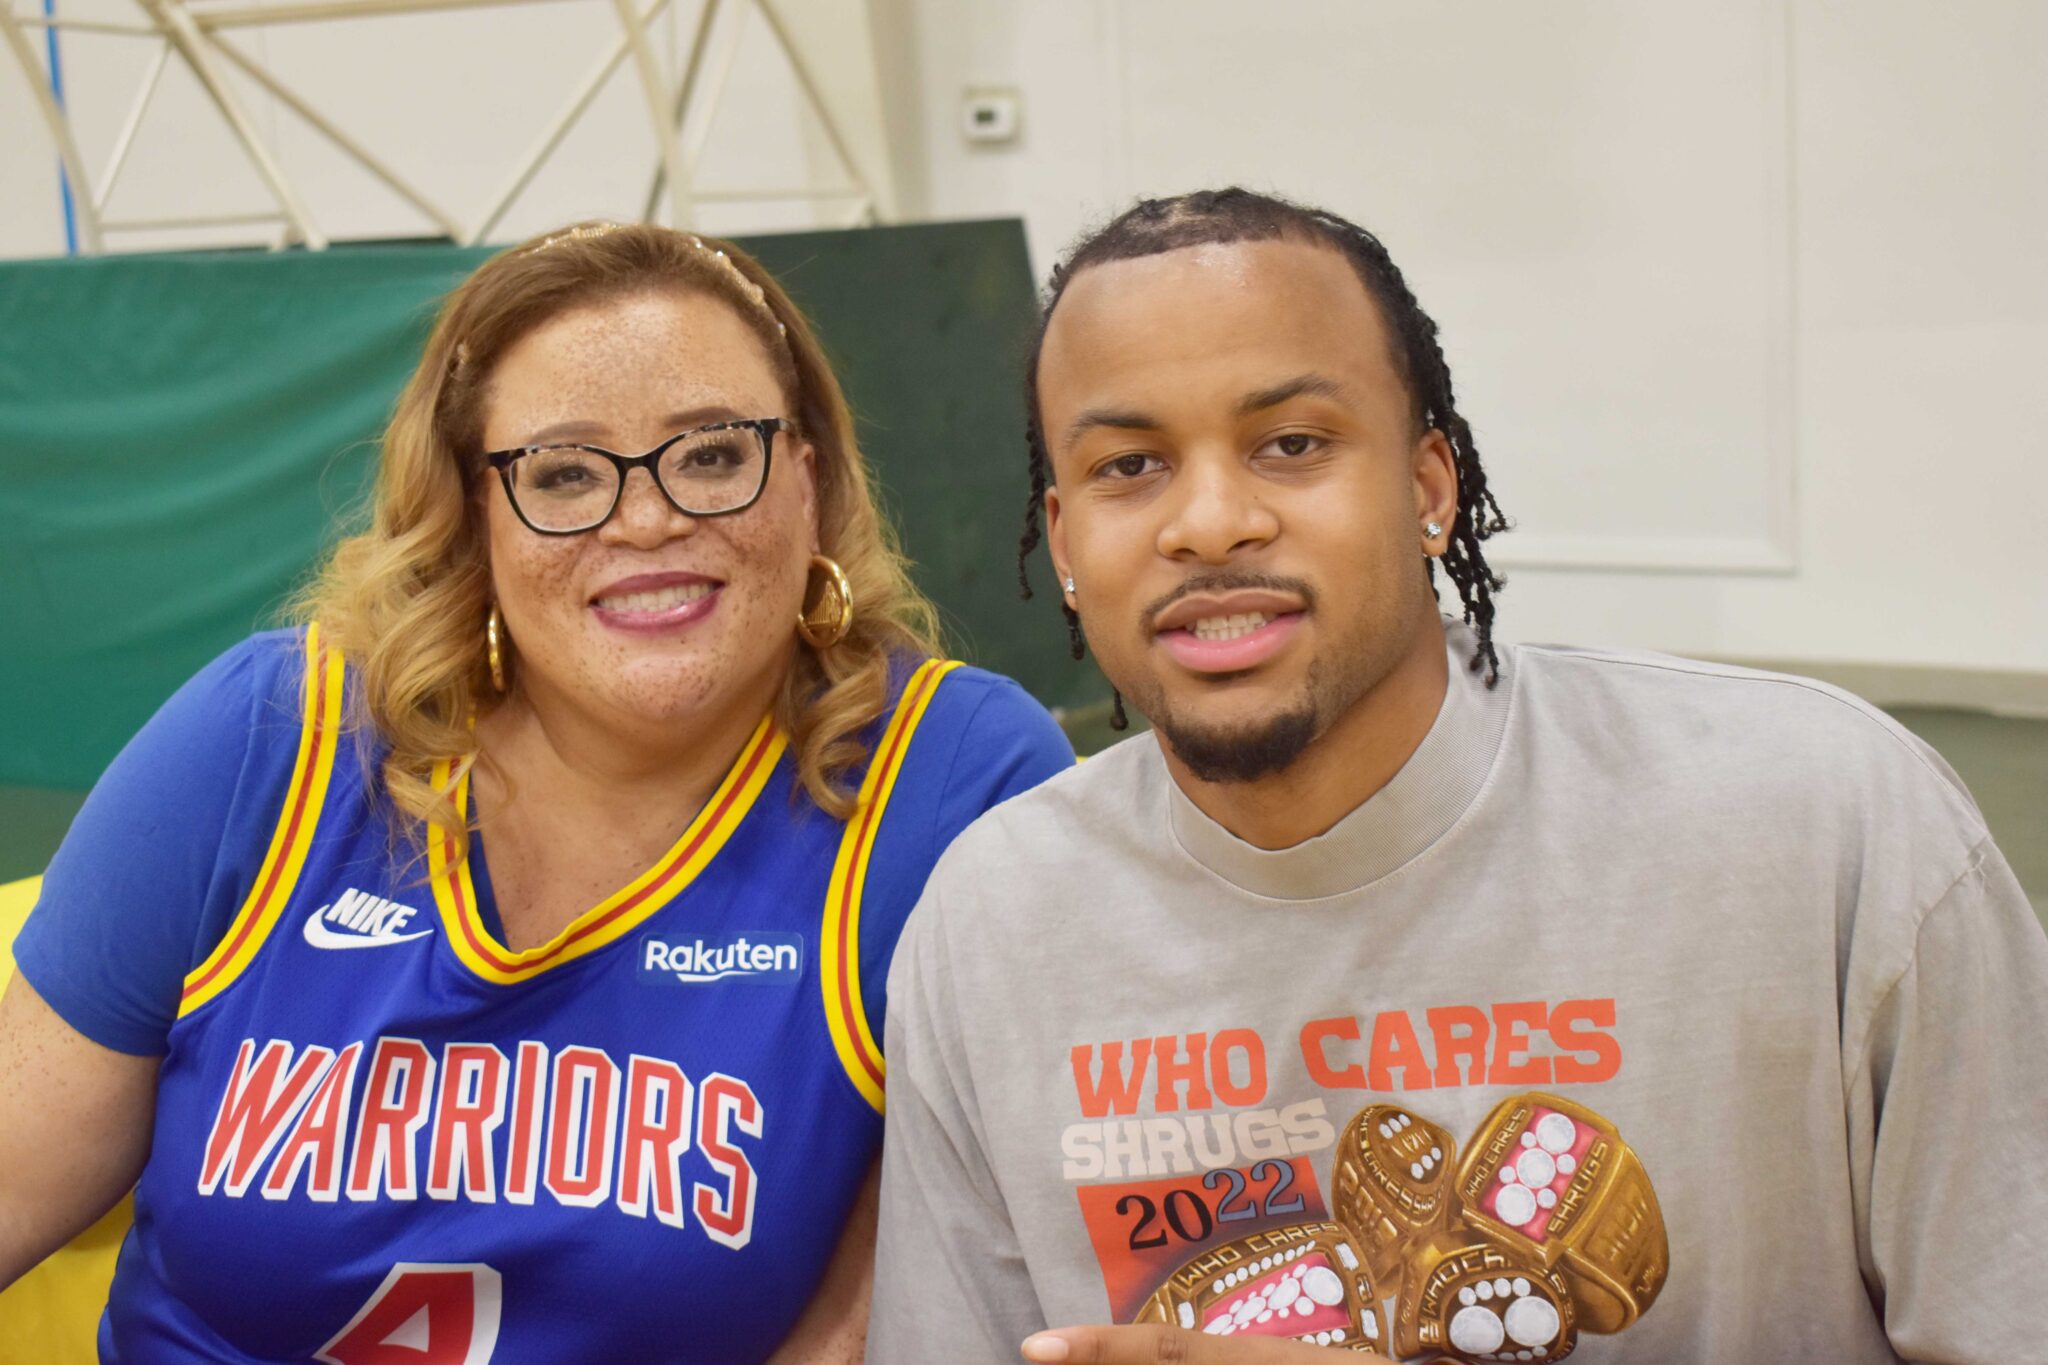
(1239, 493)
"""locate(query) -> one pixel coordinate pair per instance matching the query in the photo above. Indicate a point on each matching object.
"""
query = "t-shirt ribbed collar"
(1426, 797)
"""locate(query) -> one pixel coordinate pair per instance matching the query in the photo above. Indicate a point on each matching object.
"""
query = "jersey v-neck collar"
(621, 912)
(1433, 789)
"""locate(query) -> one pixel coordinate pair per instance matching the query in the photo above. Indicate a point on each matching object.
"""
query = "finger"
(1153, 1345)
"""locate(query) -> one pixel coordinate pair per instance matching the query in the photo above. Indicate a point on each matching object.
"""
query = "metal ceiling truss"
(197, 35)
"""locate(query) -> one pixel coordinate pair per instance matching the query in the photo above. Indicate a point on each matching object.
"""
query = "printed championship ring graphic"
(1392, 1185)
(1553, 1181)
(1481, 1303)
(1304, 1283)
(1541, 1226)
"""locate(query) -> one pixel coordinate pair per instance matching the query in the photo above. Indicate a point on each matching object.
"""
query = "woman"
(497, 959)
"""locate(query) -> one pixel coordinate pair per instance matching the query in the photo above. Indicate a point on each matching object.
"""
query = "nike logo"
(364, 920)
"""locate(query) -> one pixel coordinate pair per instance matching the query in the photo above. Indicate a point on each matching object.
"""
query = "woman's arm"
(147, 880)
(75, 1121)
(834, 1327)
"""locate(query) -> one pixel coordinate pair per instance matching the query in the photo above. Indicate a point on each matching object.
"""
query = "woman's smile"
(656, 603)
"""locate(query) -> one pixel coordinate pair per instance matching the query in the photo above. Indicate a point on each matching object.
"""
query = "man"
(1408, 993)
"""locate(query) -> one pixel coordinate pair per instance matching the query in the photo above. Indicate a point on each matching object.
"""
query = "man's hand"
(1152, 1345)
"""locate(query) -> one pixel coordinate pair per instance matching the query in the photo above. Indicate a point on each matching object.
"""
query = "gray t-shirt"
(1655, 1011)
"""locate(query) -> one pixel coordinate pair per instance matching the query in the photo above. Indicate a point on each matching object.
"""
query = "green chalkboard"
(181, 435)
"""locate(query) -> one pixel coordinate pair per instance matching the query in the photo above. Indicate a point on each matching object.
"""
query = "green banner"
(181, 435)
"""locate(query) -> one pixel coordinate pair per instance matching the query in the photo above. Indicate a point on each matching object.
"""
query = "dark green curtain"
(181, 436)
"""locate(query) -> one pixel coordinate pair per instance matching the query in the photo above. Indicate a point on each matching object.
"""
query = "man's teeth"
(661, 599)
(1228, 627)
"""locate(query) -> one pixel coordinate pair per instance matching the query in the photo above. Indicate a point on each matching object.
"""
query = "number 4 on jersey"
(423, 1314)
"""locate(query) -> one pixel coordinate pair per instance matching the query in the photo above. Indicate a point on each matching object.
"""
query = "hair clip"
(580, 233)
(748, 287)
(586, 231)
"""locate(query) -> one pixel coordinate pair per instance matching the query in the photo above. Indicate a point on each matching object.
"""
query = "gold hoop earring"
(494, 648)
(825, 624)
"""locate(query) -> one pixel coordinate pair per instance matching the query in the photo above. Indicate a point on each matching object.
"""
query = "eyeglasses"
(561, 490)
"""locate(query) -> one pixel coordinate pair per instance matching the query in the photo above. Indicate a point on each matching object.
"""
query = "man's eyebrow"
(1301, 386)
(1121, 419)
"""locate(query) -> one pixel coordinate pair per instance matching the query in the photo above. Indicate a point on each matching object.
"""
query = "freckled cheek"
(765, 590)
(532, 580)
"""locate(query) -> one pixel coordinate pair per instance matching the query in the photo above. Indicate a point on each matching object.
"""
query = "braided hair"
(1217, 217)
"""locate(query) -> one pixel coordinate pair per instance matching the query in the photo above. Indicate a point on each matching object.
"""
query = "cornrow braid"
(1041, 476)
(1217, 217)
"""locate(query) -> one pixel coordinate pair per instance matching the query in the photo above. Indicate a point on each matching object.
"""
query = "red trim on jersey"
(871, 1064)
(489, 953)
(300, 789)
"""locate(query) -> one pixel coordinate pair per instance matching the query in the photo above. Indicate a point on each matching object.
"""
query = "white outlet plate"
(991, 113)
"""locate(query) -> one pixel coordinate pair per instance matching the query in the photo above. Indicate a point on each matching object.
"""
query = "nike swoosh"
(320, 936)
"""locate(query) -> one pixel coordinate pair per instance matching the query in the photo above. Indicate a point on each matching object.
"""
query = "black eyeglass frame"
(764, 429)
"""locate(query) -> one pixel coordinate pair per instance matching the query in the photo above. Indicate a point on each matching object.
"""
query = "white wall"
(1748, 299)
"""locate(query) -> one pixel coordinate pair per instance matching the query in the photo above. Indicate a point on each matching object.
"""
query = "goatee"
(1241, 755)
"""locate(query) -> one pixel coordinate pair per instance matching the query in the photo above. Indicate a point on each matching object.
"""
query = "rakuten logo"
(759, 958)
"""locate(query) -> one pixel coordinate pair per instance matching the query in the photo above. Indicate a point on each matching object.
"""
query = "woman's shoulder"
(151, 869)
(956, 740)
(967, 725)
(228, 738)
(247, 697)
(256, 668)
(960, 692)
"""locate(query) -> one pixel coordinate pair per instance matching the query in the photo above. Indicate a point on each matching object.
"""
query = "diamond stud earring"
(1433, 530)
(1069, 582)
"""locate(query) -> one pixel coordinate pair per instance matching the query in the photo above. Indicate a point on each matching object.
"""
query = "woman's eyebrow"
(581, 430)
(704, 416)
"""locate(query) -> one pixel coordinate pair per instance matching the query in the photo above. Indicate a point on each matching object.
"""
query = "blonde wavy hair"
(406, 600)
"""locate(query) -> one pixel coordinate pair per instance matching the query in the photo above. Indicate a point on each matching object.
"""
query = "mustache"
(1226, 580)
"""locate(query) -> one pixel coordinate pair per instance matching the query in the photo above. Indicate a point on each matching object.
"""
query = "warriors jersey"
(381, 1135)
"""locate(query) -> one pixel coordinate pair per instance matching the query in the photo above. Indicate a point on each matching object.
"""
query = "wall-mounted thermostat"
(991, 113)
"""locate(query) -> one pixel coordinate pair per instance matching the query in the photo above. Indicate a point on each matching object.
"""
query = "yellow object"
(494, 647)
(51, 1315)
(820, 627)
(839, 937)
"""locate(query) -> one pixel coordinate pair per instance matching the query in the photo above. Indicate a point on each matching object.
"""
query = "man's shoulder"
(1777, 732)
(1662, 686)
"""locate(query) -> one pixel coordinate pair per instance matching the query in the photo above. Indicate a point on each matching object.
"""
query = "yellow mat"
(51, 1315)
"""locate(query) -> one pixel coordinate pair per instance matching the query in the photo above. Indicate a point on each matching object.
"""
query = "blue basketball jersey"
(384, 1137)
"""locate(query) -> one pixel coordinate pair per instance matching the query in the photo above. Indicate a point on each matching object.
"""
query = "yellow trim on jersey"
(620, 913)
(839, 937)
(319, 734)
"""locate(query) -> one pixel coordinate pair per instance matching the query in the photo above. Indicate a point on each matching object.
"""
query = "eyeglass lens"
(563, 488)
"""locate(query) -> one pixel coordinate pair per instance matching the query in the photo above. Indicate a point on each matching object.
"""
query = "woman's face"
(655, 615)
